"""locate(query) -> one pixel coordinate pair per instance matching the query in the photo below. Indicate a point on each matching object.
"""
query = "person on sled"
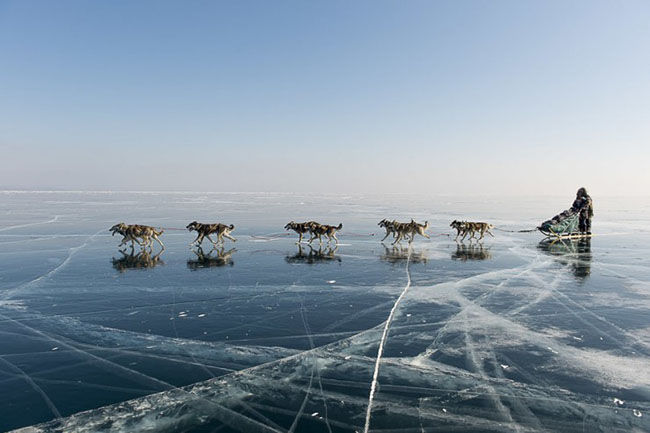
(584, 206)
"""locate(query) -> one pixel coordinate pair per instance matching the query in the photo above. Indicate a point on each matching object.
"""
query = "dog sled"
(563, 226)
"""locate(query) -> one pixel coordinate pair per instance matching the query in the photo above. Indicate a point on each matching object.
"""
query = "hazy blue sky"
(498, 97)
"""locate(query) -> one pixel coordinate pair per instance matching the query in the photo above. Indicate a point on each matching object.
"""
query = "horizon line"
(107, 191)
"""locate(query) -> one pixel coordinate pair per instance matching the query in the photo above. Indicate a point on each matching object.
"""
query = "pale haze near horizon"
(423, 97)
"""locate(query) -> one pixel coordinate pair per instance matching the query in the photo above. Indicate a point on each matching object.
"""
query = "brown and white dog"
(316, 230)
(389, 226)
(471, 228)
(403, 230)
(459, 226)
(319, 230)
(413, 228)
(133, 232)
(301, 228)
(205, 230)
(482, 228)
(392, 227)
(418, 229)
(123, 229)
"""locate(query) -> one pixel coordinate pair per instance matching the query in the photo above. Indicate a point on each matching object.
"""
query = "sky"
(427, 97)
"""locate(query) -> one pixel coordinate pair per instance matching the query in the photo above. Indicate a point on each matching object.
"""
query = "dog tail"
(231, 227)
(340, 226)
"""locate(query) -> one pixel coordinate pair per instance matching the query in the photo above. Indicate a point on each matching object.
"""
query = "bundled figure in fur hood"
(584, 206)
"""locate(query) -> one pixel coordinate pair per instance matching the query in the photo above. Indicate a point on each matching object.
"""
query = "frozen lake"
(511, 335)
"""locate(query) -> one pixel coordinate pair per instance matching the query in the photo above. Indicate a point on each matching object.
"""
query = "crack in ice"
(56, 217)
(382, 341)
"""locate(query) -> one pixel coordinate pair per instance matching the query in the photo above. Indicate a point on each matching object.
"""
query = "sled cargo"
(565, 228)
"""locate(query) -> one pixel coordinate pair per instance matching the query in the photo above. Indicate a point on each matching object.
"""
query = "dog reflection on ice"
(140, 260)
(471, 252)
(321, 255)
(222, 258)
(397, 254)
(575, 253)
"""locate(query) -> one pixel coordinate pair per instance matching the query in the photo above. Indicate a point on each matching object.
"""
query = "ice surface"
(514, 334)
